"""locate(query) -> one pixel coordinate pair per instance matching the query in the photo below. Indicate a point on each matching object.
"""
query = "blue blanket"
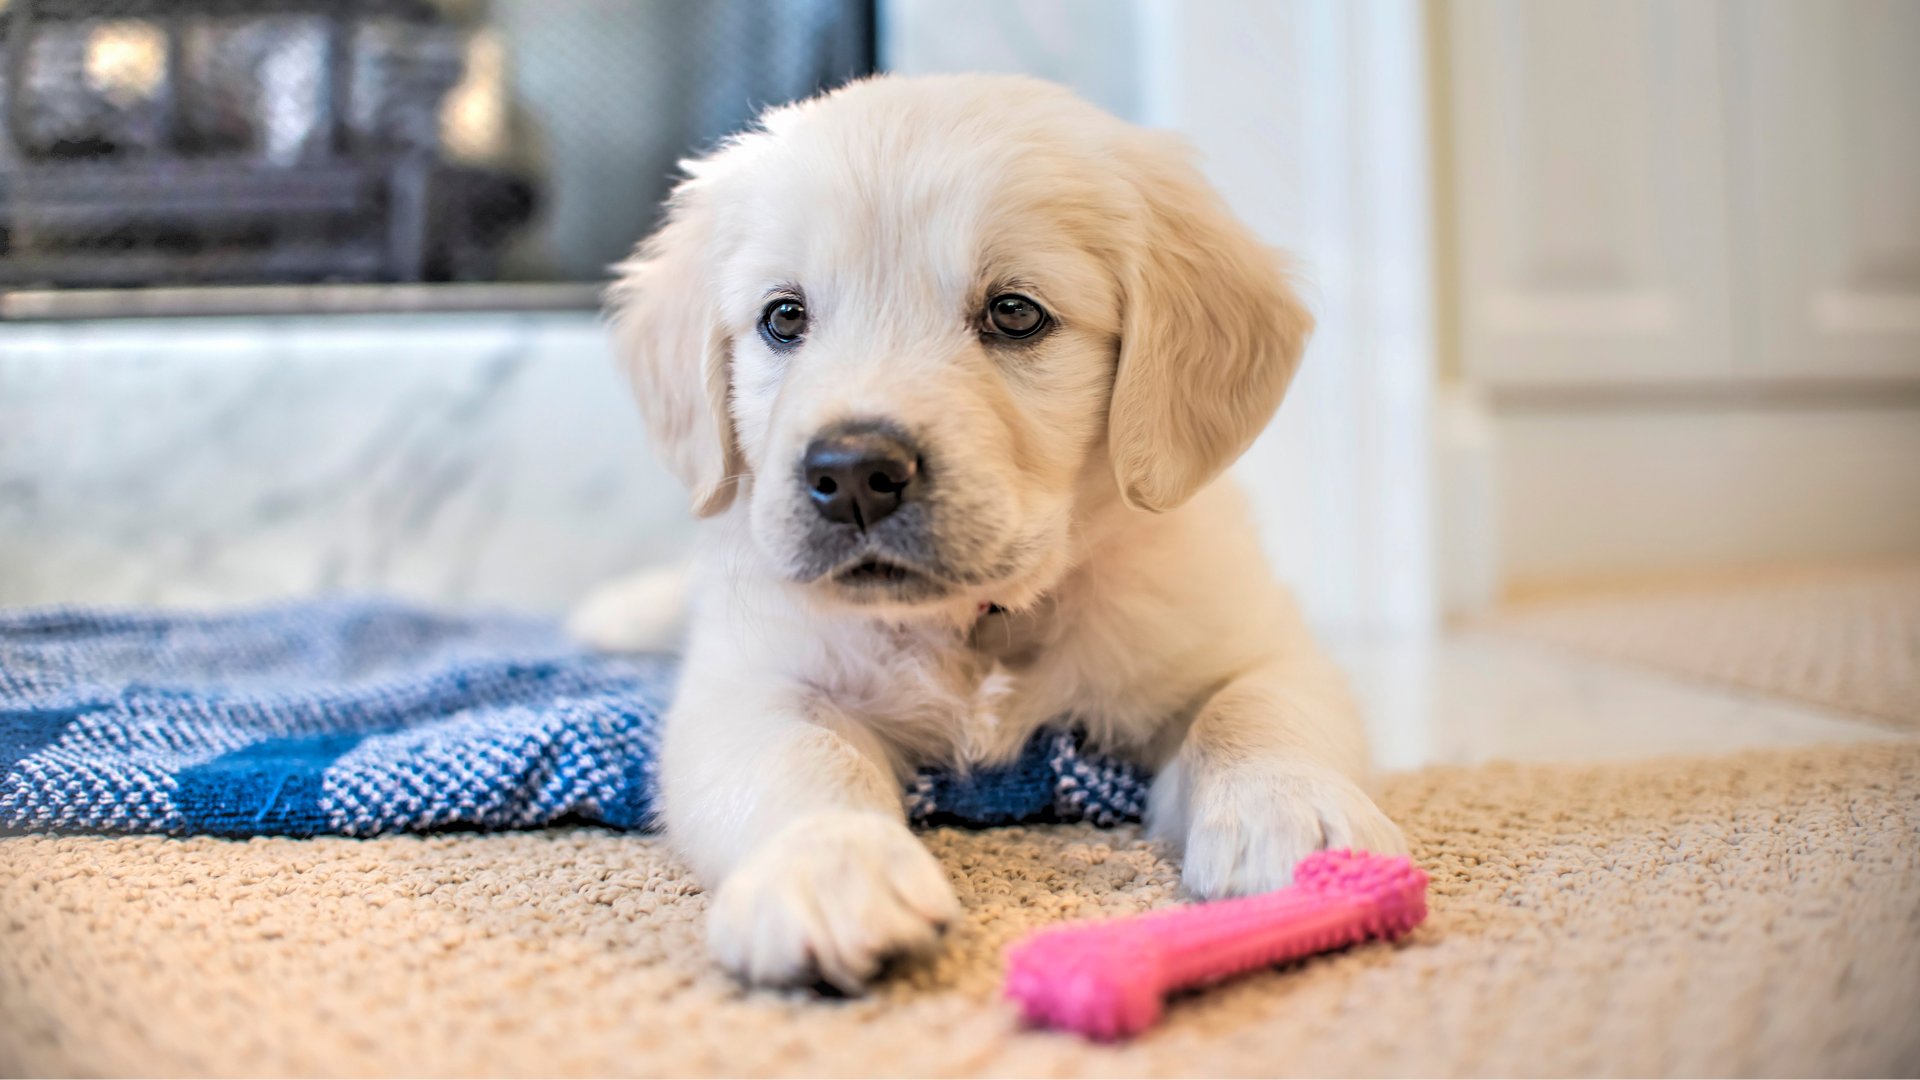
(365, 716)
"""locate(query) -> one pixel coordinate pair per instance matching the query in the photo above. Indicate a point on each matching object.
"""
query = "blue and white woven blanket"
(366, 716)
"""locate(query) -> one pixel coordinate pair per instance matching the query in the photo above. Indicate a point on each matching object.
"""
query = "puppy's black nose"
(858, 475)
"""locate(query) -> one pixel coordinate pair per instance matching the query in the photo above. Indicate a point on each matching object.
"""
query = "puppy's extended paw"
(831, 896)
(1247, 826)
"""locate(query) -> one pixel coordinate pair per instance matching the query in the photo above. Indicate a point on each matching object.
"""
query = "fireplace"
(214, 143)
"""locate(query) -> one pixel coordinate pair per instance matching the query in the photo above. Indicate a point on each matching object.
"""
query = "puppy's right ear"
(670, 340)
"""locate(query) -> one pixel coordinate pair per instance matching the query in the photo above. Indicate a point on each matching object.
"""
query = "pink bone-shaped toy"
(1107, 979)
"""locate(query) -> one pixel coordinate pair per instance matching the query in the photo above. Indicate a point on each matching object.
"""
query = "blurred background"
(298, 294)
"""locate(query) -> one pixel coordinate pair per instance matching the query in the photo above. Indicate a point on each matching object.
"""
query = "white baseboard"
(1590, 493)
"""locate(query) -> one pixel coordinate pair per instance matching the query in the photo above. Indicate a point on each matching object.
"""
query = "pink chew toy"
(1107, 979)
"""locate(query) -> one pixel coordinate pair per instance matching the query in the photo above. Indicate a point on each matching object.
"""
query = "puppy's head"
(921, 326)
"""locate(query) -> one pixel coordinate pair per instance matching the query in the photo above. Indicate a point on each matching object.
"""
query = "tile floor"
(1474, 696)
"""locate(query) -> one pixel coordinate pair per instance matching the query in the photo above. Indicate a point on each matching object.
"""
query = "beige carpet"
(1846, 638)
(1758, 914)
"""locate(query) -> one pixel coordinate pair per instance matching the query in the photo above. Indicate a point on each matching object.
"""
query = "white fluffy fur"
(1079, 489)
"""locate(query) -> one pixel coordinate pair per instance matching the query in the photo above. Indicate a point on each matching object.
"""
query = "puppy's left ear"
(1211, 333)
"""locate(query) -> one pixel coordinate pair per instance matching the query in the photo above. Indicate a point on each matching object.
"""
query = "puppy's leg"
(1267, 774)
(642, 612)
(794, 813)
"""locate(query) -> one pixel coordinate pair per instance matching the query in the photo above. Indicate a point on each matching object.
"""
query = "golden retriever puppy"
(952, 367)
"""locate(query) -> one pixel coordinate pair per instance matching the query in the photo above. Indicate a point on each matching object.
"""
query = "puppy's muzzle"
(859, 473)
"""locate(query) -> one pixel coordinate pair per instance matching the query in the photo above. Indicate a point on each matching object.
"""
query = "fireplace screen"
(224, 142)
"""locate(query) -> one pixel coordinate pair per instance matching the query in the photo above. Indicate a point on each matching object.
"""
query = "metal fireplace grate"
(189, 143)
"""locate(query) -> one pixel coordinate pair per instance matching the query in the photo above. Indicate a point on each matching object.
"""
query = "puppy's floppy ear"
(1211, 333)
(672, 343)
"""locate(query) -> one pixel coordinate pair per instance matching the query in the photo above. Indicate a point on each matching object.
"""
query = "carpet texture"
(1844, 638)
(1754, 914)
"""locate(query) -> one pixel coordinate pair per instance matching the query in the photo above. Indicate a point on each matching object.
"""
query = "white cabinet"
(1654, 192)
(1824, 105)
(1589, 182)
(1685, 266)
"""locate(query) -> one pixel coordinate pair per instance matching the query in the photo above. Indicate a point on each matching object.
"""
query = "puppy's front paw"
(831, 896)
(1248, 826)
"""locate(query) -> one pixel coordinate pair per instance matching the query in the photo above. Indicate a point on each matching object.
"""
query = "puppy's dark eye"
(784, 322)
(1015, 316)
